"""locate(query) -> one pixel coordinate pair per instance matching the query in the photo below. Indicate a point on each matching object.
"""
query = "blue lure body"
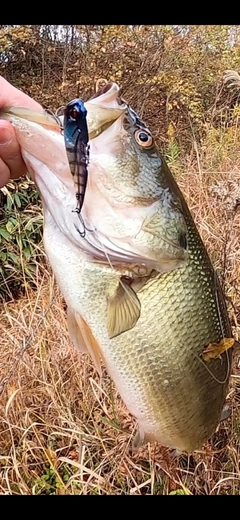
(76, 141)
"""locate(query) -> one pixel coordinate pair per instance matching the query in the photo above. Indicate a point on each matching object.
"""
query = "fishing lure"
(76, 141)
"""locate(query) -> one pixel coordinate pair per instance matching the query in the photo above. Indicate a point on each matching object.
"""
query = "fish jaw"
(45, 144)
(103, 109)
(42, 118)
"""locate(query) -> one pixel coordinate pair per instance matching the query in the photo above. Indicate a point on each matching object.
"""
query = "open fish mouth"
(44, 118)
(102, 110)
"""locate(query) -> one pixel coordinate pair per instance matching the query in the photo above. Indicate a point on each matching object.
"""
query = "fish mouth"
(44, 118)
(103, 109)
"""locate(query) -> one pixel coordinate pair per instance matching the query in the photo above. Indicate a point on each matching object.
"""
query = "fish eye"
(143, 138)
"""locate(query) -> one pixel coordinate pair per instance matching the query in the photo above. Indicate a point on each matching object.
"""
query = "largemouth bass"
(133, 257)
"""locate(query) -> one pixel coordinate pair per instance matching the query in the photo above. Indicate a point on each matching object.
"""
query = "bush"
(21, 227)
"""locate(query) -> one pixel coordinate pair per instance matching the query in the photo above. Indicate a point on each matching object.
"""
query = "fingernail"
(5, 136)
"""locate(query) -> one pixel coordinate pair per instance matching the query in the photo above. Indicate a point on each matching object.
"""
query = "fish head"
(132, 198)
(132, 208)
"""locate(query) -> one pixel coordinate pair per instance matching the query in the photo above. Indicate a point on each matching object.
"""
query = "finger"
(4, 173)
(10, 153)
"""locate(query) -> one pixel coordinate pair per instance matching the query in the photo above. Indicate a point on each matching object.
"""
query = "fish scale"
(162, 371)
(176, 397)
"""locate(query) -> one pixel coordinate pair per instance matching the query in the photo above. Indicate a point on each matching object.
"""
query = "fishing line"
(211, 373)
(55, 117)
(60, 112)
(223, 335)
(221, 323)
(179, 272)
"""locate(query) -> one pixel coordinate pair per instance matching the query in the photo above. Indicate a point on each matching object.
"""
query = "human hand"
(11, 162)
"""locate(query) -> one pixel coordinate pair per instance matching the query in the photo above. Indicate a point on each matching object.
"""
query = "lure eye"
(74, 114)
(143, 138)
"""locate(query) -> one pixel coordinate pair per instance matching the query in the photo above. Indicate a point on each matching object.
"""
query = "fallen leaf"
(214, 350)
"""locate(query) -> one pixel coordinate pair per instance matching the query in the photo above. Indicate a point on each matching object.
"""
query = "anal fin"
(142, 438)
(82, 337)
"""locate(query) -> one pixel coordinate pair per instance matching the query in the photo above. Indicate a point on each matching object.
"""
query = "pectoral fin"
(124, 310)
(82, 337)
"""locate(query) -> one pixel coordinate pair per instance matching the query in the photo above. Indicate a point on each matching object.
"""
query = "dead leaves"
(214, 350)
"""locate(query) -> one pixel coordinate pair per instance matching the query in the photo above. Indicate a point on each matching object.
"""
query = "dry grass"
(65, 431)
